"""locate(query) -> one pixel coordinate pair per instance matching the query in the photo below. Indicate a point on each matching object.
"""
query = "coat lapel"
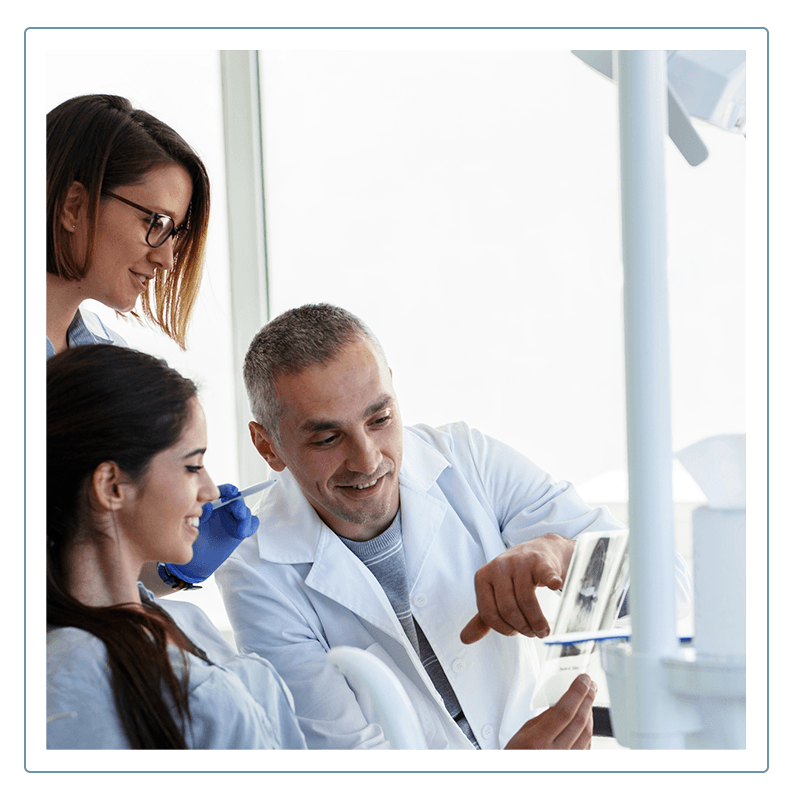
(292, 533)
(423, 514)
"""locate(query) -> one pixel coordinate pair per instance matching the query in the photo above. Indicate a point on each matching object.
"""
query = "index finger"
(474, 630)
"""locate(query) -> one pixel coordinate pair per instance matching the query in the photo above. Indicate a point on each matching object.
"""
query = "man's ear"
(264, 444)
(75, 206)
(110, 486)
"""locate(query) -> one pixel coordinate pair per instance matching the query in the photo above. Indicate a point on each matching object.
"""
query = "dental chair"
(396, 714)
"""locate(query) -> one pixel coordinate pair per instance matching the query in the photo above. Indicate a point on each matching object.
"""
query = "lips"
(363, 488)
(141, 280)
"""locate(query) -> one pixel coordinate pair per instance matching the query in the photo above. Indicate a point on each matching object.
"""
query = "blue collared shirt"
(87, 328)
(237, 701)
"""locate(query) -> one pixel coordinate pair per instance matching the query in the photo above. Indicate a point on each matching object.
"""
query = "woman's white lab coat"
(293, 591)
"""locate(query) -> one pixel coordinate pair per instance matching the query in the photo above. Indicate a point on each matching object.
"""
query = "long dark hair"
(107, 403)
(103, 142)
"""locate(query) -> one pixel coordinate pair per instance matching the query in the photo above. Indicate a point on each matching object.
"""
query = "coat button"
(459, 665)
(420, 600)
(487, 731)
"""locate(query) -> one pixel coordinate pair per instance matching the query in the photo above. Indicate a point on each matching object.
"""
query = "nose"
(364, 456)
(207, 490)
(163, 256)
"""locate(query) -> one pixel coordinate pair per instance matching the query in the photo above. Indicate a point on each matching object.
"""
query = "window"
(466, 205)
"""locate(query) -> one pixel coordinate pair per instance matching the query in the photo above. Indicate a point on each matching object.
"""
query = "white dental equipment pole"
(663, 696)
(643, 129)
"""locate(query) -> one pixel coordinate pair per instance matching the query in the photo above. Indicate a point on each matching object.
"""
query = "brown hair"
(103, 142)
(108, 403)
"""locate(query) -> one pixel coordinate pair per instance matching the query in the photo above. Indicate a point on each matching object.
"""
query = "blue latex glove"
(220, 533)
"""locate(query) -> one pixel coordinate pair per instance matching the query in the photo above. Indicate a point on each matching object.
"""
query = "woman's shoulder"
(76, 661)
(66, 645)
(80, 703)
(98, 330)
(197, 625)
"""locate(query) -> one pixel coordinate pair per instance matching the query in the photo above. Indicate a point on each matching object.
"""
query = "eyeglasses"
(161, 227)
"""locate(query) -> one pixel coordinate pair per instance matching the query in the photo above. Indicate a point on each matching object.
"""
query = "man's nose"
(364, 456)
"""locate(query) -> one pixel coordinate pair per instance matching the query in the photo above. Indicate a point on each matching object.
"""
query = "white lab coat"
(294, 590)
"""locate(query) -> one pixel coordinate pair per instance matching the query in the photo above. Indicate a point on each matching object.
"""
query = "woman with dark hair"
(127, 213)
(126, 485)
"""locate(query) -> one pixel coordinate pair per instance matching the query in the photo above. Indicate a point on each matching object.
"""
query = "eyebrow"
(199, 452)
(318, 425)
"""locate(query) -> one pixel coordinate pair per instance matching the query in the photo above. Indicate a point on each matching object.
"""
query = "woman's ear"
(266, 447)
(109, 486)
(75, 207)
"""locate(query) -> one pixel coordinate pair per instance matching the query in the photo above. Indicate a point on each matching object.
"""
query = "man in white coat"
(420, 545)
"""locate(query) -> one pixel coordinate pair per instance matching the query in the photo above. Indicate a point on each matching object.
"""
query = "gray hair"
(295, 340)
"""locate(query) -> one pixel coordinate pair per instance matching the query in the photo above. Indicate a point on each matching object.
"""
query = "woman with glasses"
(127, 214)
(126, 483)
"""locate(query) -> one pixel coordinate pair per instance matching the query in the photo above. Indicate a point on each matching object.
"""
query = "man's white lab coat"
(294, 590)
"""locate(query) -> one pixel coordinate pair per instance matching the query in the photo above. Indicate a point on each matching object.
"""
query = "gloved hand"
(220, 533)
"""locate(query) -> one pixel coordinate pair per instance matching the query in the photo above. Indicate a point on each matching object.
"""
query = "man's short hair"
(290, 343)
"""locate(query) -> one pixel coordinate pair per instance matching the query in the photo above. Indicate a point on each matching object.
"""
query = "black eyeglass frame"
(174, 230)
